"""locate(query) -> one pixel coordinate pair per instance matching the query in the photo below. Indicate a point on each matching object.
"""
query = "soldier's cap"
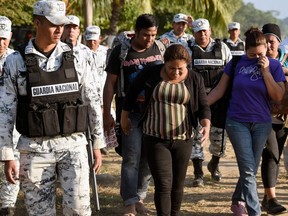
(233, 25)
(53, 10)
(74, 20)
(5, 27)
(180, 18)
(92, 33)
(273, 29)
(200, 24)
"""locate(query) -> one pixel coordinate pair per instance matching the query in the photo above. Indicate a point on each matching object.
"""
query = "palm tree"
(121, 14)
(218, 12)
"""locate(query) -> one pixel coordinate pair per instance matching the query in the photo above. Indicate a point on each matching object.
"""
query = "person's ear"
(36, 22)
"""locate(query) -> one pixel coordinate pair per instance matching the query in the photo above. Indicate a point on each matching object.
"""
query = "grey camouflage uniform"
(9, 192)
(215, 146)
(175, 39)
(43, 159)
(99, 58)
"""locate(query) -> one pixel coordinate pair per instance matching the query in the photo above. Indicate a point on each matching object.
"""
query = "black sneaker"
(274, 207)
(264, 203)
(9, 211)
(215, 173)
(198, 181)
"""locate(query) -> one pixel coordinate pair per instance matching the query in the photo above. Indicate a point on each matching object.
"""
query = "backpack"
(220, 107)
(124, 39)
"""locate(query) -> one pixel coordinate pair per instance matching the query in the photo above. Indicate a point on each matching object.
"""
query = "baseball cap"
(53, 10)
(180, 18)
(92, 33)
(5, 27)
(271, 28)
(234, 25)
(200, 24)
(74, 20)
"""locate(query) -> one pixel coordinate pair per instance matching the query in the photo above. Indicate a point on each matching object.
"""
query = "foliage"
(248, 16)
(18, 11)
(218, 12)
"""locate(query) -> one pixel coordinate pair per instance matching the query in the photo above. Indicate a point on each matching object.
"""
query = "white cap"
(53, 10)
(74, 20)
(180, 18)
(5, 27)
(234, 25)
(200, 24)
(92, 33)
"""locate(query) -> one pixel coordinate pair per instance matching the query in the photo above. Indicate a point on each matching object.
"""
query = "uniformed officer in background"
(209, 56)
(8, 192)
(55, 99)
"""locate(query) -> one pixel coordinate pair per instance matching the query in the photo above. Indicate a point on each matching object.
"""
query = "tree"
(124, 13)
(19, 12)
(88, 12)
(248, 16)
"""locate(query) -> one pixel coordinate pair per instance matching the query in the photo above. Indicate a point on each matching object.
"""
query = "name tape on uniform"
(62, 88)
(237, 52)
(216, 62)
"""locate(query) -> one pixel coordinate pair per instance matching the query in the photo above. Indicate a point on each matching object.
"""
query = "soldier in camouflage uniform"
(208, 58)
(178, 34)
(49, 148)
(93, 38)
(8, 192)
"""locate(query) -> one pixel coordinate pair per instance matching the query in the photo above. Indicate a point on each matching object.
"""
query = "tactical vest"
(236, 50)
(53, 104)
(208, 64)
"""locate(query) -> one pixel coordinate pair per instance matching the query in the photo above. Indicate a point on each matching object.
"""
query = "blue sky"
(267, 5)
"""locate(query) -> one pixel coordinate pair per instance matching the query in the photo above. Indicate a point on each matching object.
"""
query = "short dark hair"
(145, 21)
(177, 52)
(254, 38)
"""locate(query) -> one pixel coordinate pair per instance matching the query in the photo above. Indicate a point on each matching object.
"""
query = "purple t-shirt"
(250, 101)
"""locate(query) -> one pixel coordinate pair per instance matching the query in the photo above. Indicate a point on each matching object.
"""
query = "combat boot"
(198, 180)
(213, 168)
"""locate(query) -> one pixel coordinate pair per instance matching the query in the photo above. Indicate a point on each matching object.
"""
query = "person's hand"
(108, 123)
(97, 160)
(190, 20)
(125, 124)
(205, 131)
(263, 62)
(11, 171)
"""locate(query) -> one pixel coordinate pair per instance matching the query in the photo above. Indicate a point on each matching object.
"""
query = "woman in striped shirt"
(175, 100)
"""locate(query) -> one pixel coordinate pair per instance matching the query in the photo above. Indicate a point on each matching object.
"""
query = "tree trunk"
(88, 12)
(116, 9)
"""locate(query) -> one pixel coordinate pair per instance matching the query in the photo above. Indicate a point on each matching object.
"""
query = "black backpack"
(220, 107)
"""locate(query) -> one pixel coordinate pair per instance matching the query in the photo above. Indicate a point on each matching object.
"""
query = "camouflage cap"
(180, 18)
(5, 27)
(200, 24)
(92, 33)
(234, 25)
(53, 10)
(74, 20)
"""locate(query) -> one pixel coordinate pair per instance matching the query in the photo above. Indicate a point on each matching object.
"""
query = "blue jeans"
(248, 141)
(135, 173)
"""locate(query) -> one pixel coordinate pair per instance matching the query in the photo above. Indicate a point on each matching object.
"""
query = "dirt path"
(212, 200)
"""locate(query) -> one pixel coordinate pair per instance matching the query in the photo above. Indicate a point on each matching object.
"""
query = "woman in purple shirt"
(257, 80)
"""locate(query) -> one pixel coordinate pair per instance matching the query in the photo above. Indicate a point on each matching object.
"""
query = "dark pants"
(168, 161)
(271, 155)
